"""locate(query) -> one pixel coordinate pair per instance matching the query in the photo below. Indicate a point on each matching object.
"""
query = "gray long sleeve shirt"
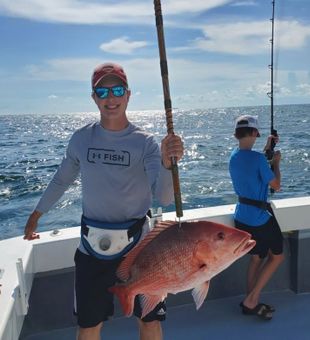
(119, 172)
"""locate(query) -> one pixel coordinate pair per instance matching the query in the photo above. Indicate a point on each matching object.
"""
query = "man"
(121, 166)
(251, 177)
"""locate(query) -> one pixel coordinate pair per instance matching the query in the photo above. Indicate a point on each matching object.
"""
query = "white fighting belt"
(111, 243)
(106, 241)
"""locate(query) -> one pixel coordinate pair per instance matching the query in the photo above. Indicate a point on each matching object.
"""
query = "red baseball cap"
(108, 69)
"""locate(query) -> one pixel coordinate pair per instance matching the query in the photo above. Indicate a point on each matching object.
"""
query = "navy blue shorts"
(267, 236)
(93, 302)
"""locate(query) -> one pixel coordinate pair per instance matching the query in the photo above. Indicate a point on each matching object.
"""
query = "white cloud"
(303, 89)
(241, 38)
(261, 90)
(244, 3)
(94, 12)
(181, 71)
(78, 11)
(249, 38)
(300, 90)
(122, 46)
(193, 83)
(62, 69)
(185, 6)
(52, 96)
(283, 92)
(291, 34)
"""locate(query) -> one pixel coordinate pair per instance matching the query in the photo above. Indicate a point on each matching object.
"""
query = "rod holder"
(23, 296)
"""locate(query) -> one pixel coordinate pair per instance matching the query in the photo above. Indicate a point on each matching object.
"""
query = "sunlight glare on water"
(32, 147)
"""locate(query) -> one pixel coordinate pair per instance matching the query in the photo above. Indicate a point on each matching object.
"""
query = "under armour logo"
(104, 156)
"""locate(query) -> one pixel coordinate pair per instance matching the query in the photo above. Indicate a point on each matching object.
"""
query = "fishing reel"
(270, 152)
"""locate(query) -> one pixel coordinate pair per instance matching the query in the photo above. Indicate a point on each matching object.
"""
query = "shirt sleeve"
(64, 176)
(160, 178)
(164, 188)
(265, 171)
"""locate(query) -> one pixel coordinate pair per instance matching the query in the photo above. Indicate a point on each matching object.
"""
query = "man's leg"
(93, 301)
(91, 333)
(149, 330)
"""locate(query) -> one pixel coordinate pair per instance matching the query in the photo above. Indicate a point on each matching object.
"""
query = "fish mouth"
(245, 245)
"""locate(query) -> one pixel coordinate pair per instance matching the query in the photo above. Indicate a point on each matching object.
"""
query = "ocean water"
(32, 147)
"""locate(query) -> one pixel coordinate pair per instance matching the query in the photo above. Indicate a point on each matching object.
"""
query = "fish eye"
(221, 236)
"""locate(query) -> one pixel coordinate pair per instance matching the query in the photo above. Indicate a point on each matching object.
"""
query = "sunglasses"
(103, 92)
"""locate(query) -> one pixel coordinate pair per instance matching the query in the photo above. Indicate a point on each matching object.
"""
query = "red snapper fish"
(172, 259)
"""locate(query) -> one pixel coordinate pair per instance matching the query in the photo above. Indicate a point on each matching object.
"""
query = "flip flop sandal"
(270, 307)
(260, 310)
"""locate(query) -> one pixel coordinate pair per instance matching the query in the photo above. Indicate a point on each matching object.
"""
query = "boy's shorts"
(93, 302)
(267, 236)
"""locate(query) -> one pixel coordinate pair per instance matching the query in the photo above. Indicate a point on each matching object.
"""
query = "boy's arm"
(275, 183)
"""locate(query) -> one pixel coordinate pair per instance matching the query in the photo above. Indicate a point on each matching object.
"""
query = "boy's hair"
(244, 132)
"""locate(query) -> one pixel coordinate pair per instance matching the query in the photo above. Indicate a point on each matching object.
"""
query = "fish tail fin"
(126, 299)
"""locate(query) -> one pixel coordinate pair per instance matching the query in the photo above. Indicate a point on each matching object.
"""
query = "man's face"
(113, 106)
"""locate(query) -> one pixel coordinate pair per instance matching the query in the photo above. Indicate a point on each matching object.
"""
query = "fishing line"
(279, 13)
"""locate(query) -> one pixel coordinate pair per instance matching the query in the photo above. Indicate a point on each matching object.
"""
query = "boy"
(251, 177)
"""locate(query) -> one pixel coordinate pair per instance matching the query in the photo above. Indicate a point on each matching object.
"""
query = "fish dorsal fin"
(200, 293)
(123, 271)
(149, 302)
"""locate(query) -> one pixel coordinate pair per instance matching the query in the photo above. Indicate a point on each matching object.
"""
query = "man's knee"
(150, 330)
(151, 325)
(89, 332)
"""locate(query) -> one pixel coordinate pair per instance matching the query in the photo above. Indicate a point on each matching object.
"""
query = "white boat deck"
(216, 320)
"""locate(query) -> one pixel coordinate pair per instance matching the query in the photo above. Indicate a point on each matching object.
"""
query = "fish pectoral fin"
(200, 293)
(149, 302)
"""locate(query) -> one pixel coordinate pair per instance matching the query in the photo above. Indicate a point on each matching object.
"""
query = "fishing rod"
(270, 152)
(167, 102)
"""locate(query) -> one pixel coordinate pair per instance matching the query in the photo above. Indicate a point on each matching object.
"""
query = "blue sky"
(218, 52)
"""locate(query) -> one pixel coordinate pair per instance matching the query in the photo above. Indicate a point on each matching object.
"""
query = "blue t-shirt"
(250, 174)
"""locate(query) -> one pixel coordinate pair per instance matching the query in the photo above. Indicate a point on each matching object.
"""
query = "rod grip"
(176, 188)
